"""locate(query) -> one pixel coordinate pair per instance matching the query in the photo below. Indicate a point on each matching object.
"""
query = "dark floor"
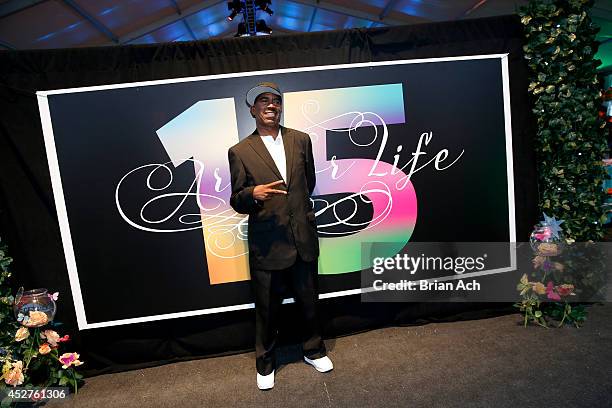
(492, 362)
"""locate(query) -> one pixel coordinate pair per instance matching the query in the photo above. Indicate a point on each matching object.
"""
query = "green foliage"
(570, 142)
(39, 368)
(8, 325)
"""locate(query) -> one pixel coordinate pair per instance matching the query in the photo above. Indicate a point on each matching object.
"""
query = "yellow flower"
(22, 334)
(539, 288)
(51, 336)
(6, 368)
(548, 249)
(15, 376)
(37, 319)
(44, 349)
(526, 19)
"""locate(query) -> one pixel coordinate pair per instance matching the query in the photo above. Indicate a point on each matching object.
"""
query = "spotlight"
(264, 5)
(233, 15)
(248, 8)
(236, 7)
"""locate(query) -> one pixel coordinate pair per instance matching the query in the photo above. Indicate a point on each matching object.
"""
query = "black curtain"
(28, 222)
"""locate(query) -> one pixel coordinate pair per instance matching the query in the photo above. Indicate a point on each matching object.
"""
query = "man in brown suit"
(273, 176)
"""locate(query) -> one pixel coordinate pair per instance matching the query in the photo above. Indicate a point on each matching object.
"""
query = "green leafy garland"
(560, 48)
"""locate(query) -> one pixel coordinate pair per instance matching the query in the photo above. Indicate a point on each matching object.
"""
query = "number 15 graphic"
(206, 130)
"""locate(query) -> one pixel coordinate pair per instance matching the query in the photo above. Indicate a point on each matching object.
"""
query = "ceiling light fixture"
(248, 8)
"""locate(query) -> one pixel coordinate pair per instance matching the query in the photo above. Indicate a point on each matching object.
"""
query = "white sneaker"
(265, 382)
(322, 365)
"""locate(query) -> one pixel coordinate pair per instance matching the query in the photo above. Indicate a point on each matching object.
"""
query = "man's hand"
(264, 192)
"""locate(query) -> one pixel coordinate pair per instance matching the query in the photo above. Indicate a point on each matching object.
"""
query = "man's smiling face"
(267, 110)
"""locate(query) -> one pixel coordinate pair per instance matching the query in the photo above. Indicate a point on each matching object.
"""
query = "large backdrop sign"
(415, 150)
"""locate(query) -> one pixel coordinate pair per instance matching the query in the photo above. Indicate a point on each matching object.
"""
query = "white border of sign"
(62, 214)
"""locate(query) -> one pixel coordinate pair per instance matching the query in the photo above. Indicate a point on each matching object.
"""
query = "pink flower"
(63, 339)
(44, 349)
(51, 336)
(15, 376)
(550, 292)
(70, 359)
(565, 289)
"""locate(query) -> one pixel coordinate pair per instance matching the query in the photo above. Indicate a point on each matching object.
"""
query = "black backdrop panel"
(29, 222)
(102, 135)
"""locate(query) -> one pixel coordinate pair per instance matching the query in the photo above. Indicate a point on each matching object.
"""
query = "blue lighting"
(215, 29)
(411, 7)
(321, 27)
(108, 10)
(45, 37)
(210, 15)
(293, 10)
(292, 23)
(72, 26)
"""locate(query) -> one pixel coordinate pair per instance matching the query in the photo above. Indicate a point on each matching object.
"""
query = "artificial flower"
(6, 368)
(22, 334)
(538, 261)
(63, 338)
(550, 292)
(547, 249)
(558, 266)
(51, 336)
(565, 289)
(44, 349)
(37, 319)
(15, 375)
(70, 359)
(539, 288)
(523, 285)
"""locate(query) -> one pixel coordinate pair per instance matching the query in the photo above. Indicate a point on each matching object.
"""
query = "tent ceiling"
(36, 24)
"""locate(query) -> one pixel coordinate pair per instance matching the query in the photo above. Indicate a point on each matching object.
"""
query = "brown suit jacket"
(283, 226)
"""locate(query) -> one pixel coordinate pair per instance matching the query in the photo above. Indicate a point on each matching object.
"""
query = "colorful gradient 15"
(207, 129)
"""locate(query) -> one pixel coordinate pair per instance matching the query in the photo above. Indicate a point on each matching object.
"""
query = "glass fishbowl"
(34, 308)
(544, 242)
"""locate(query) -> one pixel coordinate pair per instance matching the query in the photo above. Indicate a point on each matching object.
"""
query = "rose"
(36, 319)
(44, 349)
(539, 288)
(565, 289)
(550, 293)
(70, 359)
(547, 249)
(52, 337)
(538, 261)
(22, 334)
(15, 375)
